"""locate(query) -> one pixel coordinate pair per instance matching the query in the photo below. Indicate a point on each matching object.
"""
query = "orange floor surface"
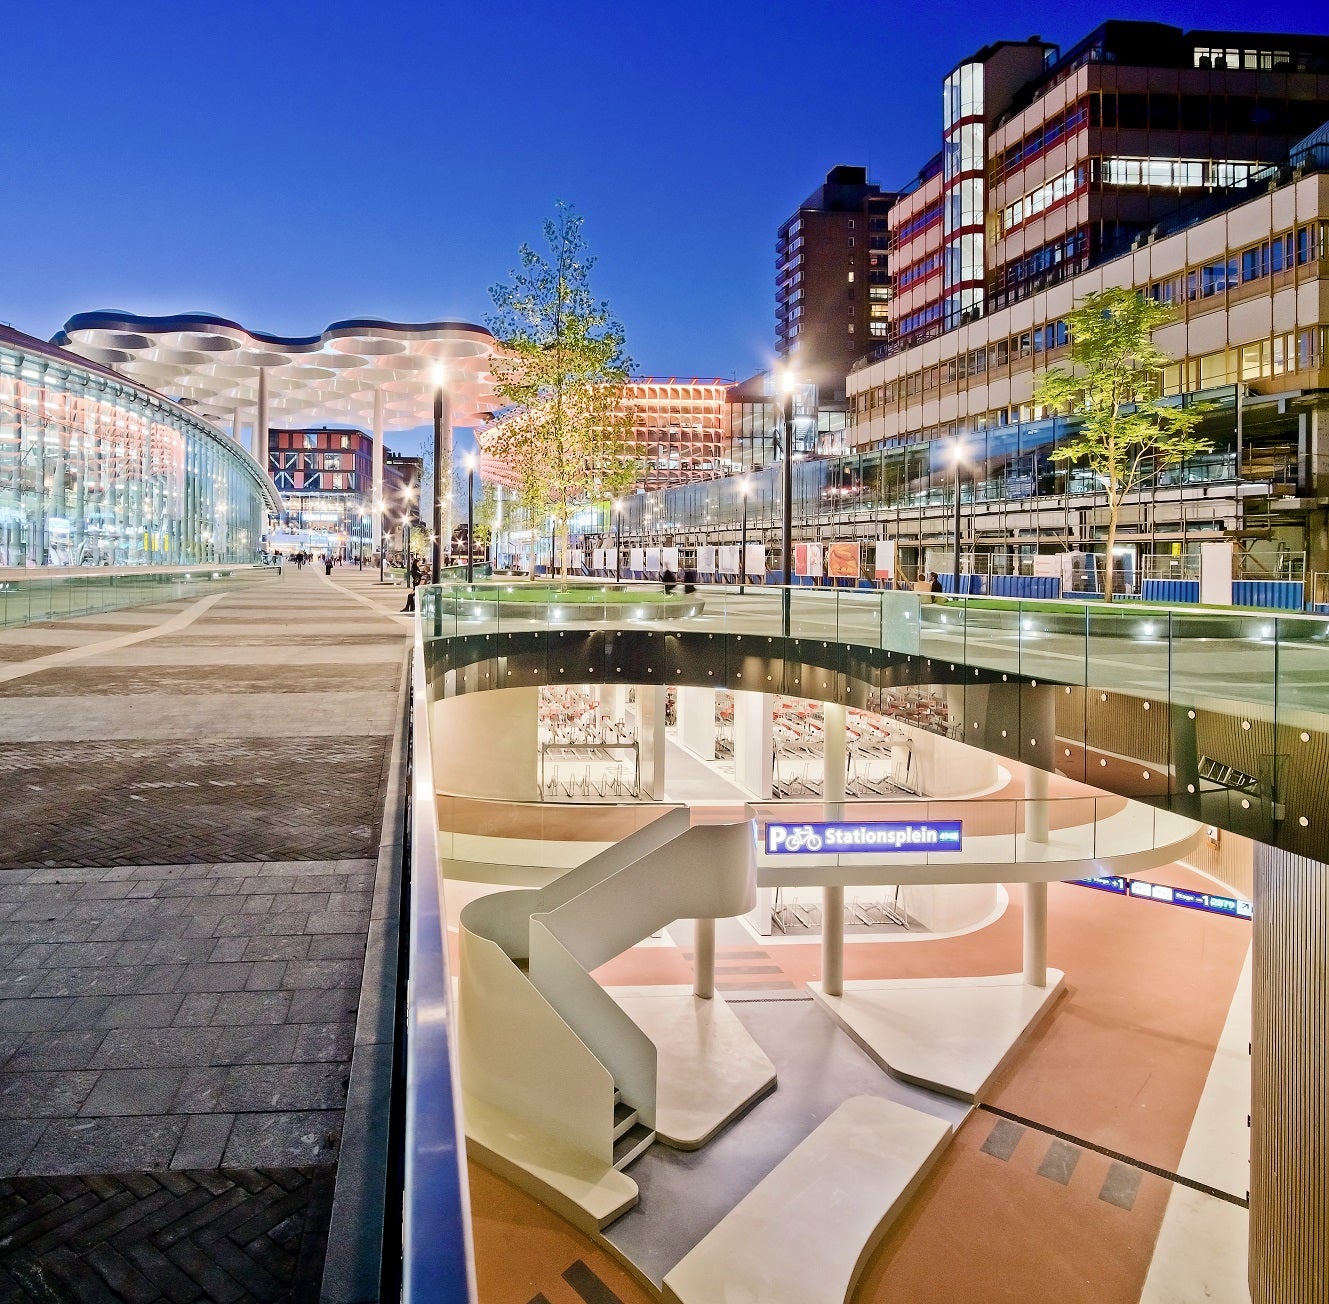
(1119, 1064)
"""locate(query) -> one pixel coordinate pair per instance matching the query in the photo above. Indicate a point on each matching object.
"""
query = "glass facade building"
(98, 471)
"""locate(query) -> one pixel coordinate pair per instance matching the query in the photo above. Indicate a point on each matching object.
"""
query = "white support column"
(753, 735)
(834, 764)
(261, 421)
(651, 727)
(1036, 805)
(1036, 934)
(377, 505)
(703, 965)
(238, 429)
(696, 721)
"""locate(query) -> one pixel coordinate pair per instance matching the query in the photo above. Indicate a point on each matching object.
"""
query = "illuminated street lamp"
(957, 456)
(442, 475)
(787, 384)
(470, 519)
(744, 488)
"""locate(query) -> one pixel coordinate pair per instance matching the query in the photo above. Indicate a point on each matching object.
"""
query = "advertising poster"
(669, 559)
(807, 559)
(728, 559)
(637, 559)
(755, 562)
(706, 559)
(577, 559)
(653, 560)
(884, 566)
(842, 561)
(597, 559)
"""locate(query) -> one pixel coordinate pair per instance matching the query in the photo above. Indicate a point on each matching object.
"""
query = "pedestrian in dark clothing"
(669, 580)
(933, 582)
(413, 578)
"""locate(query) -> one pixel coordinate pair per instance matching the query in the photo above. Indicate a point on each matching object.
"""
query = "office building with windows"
(1143, 159)
(1195, 178)
(831, 282)
(680, 431)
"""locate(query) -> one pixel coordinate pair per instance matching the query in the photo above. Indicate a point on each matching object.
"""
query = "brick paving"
(232, 1235)
(185, 896)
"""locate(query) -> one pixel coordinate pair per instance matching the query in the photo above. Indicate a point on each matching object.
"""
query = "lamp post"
(618, 535)
(743, 488)
(442, 476)
(406, 547)
(787, 537)
(957, 456)
(470, 518)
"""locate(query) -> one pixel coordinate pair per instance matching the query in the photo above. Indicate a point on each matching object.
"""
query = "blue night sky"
(286, 164)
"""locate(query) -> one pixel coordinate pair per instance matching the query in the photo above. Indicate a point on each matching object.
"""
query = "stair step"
(618, 1095)
(624, 1117)
(632, 1144)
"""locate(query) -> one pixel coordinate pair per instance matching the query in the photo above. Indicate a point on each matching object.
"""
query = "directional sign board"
(863, 836)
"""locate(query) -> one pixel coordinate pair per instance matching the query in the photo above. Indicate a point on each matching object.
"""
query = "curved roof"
(213, 366)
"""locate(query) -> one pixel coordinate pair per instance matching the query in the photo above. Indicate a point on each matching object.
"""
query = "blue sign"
(1233, 907)
(868, 836)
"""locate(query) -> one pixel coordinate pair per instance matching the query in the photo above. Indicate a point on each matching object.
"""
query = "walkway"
(192, 820)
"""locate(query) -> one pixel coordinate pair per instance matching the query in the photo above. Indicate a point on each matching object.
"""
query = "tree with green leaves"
(1127, 434)
(561, 369)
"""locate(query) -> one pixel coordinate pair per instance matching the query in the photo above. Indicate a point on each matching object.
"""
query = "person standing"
(413, 577)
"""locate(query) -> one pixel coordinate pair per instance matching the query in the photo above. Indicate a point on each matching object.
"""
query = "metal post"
(787, 537)
(618, 550)
(442, 475)
(406, 549)
(470, 524)
(957, 518)
(743, 546)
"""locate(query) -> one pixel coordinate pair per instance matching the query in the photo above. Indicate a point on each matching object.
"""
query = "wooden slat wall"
(1289, 1250)
(1230, 862)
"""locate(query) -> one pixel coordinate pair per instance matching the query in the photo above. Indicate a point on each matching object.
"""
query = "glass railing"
(999, 831)
(1220, 714)
(1060, 832)
(1148, 650)
(46, 596)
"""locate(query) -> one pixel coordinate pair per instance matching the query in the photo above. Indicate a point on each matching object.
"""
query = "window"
(851, 241)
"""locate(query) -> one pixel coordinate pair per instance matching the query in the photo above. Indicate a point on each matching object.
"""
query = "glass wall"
(1004, 463)
(96, 471)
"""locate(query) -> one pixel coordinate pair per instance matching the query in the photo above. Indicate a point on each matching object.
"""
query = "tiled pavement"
(190, 833)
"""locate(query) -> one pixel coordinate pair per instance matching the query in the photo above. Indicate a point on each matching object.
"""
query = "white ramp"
(803, 1234)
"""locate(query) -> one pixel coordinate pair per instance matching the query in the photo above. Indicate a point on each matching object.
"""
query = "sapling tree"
(1127, 433)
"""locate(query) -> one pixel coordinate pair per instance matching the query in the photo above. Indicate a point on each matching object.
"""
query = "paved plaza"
(193, 812)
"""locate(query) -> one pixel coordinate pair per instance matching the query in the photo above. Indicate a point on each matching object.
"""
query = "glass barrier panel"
(1301, 734)
(901, 621)
(859, 620)
(1224, 675)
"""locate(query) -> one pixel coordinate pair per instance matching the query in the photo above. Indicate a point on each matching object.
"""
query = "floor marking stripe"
(584, 1281)
(35, 665)
(1165, 1173)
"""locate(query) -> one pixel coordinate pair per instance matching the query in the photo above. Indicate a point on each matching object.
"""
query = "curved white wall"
(501, 756)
